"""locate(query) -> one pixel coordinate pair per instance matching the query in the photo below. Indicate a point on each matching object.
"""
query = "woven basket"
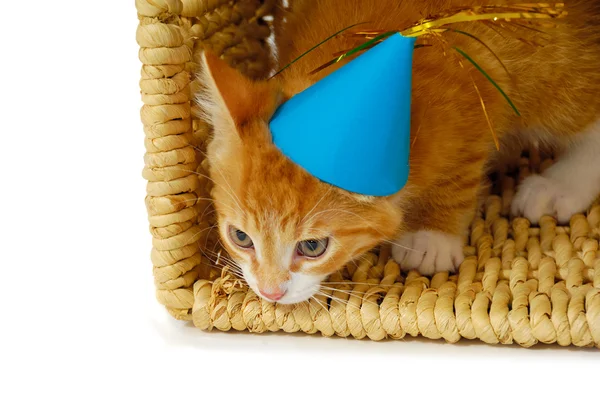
(519, 284)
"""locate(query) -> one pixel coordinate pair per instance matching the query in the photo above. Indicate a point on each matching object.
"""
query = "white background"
(78, 314)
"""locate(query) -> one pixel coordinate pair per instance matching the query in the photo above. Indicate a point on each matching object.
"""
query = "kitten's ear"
(232, 98)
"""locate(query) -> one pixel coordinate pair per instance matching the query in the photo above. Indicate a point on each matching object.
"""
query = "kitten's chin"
(294, 298)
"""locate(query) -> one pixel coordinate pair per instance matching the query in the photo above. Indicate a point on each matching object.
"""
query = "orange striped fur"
(275, 202)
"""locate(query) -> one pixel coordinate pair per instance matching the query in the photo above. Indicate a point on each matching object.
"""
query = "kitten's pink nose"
(273, 294)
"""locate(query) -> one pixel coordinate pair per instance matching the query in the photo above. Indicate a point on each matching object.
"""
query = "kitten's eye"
(313, 247)
(240, 238)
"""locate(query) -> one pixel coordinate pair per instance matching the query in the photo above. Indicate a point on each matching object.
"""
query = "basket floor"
(520, 283)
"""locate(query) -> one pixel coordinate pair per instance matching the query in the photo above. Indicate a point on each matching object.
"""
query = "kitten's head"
(285, 229)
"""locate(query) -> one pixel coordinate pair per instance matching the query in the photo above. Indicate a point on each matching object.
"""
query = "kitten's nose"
(273, 294)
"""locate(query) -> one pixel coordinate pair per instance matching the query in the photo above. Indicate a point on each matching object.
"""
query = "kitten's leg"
(428, 251)
(438, 225)
(567, 187)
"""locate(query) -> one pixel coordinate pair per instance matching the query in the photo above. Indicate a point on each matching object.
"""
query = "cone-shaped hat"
(352, 128)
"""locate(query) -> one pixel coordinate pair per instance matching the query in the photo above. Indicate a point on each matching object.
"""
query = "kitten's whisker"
(316, 204)
(237, 277)
(410, 249)
(211, 206)
(318, 301)
(196, 199)
(204, 214)
(221, 258)
(226, 261)
(217, 243)
(208, 234)
(234, 267)
(191, 239)
(356, 283)
(230, 192)
(355, 318)
(199, 150)
(349, 293)
(340, 301)
(228, 271)
(330, 295)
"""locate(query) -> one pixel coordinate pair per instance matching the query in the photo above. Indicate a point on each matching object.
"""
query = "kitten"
(288, 231)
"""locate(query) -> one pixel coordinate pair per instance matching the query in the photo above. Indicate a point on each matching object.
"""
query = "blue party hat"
(352, 128)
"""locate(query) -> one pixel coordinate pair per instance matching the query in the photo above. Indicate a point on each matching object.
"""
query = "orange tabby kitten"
(288, 231)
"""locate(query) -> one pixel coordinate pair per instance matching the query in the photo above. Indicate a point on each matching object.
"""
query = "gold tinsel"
(494, 16)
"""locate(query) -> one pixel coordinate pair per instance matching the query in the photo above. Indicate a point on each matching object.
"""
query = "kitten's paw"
(539, 195)
(428, 252)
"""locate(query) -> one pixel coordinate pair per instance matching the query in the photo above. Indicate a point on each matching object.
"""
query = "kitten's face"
(285, 229)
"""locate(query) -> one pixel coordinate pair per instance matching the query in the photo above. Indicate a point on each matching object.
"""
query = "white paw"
(539, 195)
(428, 252)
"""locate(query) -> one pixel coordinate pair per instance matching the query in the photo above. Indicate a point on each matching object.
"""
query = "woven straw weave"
(519, 284)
